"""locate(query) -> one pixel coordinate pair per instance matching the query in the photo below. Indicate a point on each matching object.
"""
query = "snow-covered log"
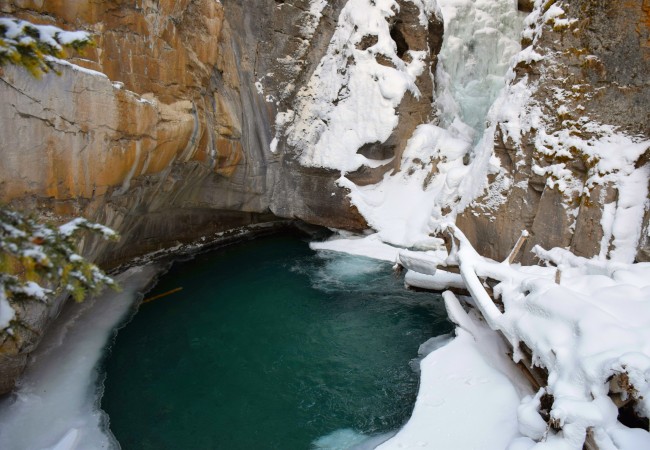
(590, 332)
(419, 262)
(441, 280)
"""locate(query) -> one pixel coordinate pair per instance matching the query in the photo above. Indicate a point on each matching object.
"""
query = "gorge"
(389, 119)
(282, 353)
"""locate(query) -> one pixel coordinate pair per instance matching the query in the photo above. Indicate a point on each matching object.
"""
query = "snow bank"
(469, 392)
(56, 404)
(586, 321)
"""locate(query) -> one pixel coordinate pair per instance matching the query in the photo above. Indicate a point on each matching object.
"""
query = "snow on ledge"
(351, 99)
(372, 246)
(77, 68)
(369, 246)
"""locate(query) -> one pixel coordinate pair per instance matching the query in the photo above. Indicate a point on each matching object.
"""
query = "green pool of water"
(269, 345)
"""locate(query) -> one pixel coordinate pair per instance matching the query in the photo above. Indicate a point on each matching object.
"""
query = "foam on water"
(56, 404)
(339, 271)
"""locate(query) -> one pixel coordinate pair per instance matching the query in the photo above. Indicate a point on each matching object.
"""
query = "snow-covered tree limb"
(25, 44)
(39, 259)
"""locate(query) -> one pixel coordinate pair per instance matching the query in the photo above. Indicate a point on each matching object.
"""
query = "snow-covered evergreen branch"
(25, 44)
(39, 259)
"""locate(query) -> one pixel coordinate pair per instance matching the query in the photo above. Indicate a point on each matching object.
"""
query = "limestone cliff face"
(176, 128)
(154, 144)
(116, 147)
(180, 125)
(587, 94)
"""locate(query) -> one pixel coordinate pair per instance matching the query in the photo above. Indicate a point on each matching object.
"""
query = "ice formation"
(475, 55)
(586, 322)
(60, 390)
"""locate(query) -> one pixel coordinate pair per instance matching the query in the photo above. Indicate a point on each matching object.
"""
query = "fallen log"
(479, 276)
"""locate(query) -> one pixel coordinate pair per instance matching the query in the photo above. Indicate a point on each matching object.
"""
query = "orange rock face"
(167, 47)
(84, 134)
(79, 135)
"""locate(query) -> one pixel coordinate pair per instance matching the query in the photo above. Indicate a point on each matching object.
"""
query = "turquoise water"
(269, 345)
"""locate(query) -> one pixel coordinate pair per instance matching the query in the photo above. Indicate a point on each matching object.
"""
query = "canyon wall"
(576, 149)
(175, 118)
(185, 119)
(133, 144)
